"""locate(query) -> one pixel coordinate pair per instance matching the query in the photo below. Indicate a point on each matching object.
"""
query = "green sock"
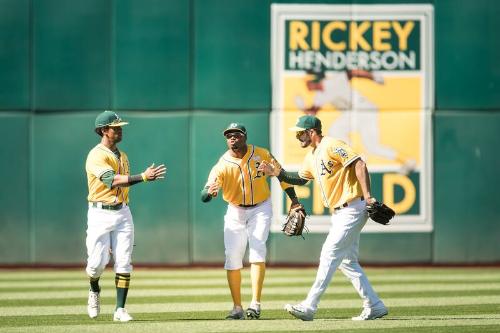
(94, 285)
(122, 281)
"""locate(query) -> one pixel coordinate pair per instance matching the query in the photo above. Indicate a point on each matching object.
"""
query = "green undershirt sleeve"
(291, 193)
(107, 178)
(205, 197)
(292, 178)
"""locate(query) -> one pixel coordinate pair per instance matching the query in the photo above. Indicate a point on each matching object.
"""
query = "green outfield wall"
(180, 71)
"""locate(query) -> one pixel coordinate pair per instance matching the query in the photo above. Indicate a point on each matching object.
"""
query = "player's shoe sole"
(253, 314)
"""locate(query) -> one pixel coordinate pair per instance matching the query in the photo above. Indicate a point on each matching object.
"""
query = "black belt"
(109, 207)
(247, 206)
(345, 204)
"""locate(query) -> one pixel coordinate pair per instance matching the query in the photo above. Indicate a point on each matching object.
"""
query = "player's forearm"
(290, 192)
(292, 178)
(363, 178)
(126, 180)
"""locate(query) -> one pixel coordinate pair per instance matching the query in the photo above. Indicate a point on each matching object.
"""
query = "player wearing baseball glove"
(346, 189)
(295, 221)
(380, 212)
(248, 217)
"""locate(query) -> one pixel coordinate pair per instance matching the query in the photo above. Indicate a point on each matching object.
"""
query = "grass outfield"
(196, 300)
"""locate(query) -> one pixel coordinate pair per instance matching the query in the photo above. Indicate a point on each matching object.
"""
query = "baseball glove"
(380, 213)
(295, 221)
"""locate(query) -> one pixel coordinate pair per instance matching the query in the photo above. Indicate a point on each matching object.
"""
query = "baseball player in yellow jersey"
(110, 227)
(345, 188)
(248, 215)
(356, 111)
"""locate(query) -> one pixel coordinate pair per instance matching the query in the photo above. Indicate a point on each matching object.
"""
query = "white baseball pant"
(109, 230)
(246, 225)
(340, 250)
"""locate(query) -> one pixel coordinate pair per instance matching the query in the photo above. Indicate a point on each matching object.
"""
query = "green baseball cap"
(305, 123)
(109, 118)
(235, 127)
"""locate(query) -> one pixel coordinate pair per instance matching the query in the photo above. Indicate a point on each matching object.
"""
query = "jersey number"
(259, 173)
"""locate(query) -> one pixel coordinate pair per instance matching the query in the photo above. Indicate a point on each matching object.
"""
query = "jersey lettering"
(239, 179)
(341, 152)
(324, 168)
(329, 164)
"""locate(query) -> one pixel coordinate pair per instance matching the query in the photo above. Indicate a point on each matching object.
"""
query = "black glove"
(380, 212)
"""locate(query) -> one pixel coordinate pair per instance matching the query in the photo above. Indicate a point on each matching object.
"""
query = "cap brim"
(121, 123)
(231, 130)
(296, 129)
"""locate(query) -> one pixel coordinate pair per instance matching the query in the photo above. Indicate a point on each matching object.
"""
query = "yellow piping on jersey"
(242, 177)
(240, 186)
(117, 189)
(325, 200)
(99, 161)
(250, 173)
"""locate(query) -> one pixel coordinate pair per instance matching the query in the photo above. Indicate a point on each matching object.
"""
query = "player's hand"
(296, 205)
(154, 173)
(213, 189)
(268, 169)
(370, 201)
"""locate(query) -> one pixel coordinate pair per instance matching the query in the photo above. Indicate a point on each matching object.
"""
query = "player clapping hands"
(268, 169)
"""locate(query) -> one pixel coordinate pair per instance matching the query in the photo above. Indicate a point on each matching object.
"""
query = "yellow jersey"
(239, 179)
(329, 165)
(99, 161)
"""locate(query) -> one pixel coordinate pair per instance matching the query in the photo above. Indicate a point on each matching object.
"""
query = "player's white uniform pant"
(244, 226)
(340, 250)
(109, 230)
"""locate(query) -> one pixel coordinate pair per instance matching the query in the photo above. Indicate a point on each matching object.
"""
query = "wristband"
(144, 178)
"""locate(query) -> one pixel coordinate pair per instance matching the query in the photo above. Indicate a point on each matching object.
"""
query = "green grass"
(197, 300)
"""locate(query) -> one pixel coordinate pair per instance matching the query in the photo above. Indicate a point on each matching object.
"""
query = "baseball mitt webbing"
(380, 213)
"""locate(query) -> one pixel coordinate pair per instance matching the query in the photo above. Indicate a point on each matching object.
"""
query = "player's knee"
(351, 269)
(257, 253)
(348, 271)
(329, 253)
(97, 260)
(233, 264)
(123, 267)
(123, 264)
(233, 261)
(95, 271)
(96, 264)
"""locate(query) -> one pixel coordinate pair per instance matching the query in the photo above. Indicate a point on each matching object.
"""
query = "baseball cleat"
(299, 312)
(236, 314)
(121, 314)
(94, 304)
(372, 313)
(253, 313)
